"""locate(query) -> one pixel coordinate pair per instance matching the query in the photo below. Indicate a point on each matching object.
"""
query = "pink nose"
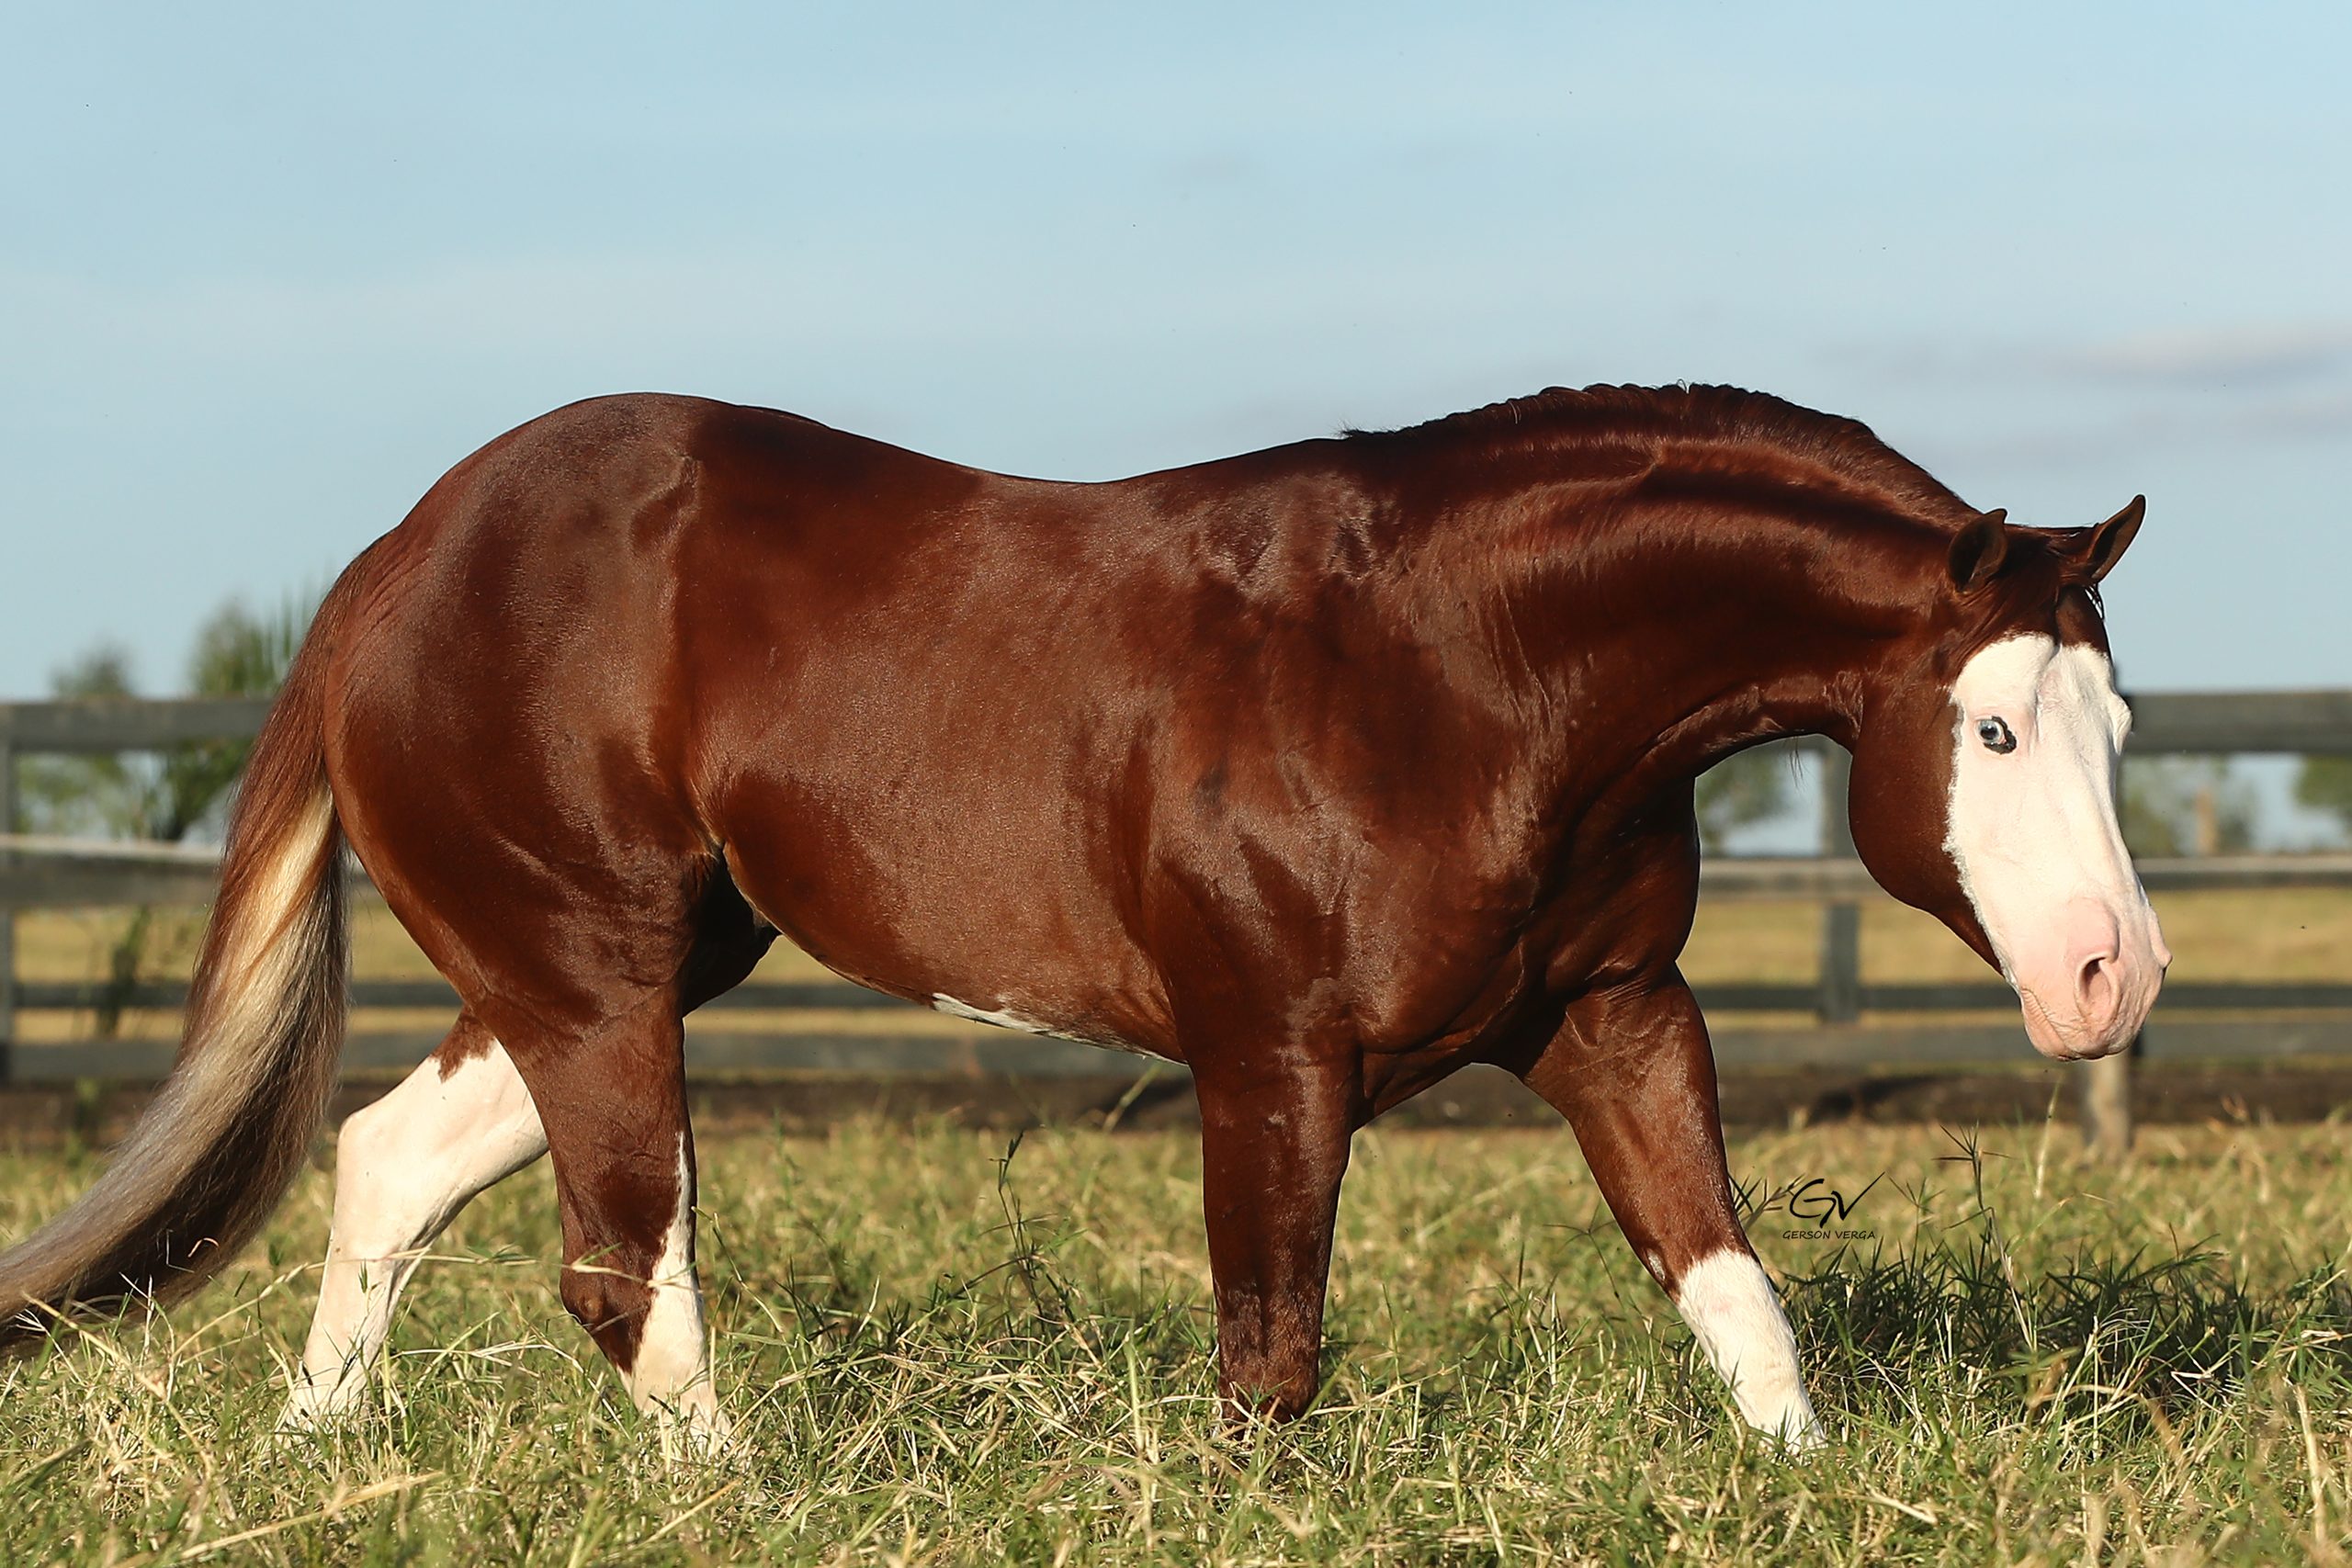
(2102, 994)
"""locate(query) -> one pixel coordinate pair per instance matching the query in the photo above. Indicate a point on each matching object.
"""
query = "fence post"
(1841, 923)
(7, 914)
(2104, 1087)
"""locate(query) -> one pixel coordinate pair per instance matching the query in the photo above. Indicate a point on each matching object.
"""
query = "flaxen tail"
(224, 1138)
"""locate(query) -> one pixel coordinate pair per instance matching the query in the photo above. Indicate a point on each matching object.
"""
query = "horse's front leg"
(1274, 1136)
(1632, 1072)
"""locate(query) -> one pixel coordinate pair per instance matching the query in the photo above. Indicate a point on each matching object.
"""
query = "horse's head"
(1983, 781)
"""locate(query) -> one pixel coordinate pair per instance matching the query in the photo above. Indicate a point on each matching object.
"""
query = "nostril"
(2098, 992)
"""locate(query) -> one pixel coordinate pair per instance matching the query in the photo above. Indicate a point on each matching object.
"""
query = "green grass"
(939, 1356)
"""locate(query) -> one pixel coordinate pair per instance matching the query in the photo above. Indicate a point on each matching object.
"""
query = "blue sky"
(265, 275)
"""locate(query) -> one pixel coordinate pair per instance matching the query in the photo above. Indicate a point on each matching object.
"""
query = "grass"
(944, 1350)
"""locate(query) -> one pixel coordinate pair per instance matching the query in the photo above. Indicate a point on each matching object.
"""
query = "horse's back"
(566, 550)
(642, 628)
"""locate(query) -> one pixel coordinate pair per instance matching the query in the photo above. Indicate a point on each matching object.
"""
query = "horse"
(1325, 771)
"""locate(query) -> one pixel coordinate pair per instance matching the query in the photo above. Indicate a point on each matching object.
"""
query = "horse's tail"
(216, 1151)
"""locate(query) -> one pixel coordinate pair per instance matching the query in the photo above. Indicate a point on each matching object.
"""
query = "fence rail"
(1909, 1024)
(838, 996)
(62, 875)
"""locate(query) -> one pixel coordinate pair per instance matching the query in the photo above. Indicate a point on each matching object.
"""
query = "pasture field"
(944, 1349)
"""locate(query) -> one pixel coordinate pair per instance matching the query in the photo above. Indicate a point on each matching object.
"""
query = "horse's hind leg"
(612, 1100)
(590, 1008)
(611, 1092)
(466, 1120)
(405, 1166)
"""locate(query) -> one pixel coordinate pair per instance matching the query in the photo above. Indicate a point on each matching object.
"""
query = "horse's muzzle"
(2093, 1001)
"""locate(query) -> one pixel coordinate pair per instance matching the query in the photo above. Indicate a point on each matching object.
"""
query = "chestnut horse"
(1324, 770)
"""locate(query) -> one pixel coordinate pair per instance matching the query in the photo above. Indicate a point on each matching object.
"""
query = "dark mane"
(1695, 425)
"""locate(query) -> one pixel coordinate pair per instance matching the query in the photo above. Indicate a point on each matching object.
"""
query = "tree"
(84, 796)
(2176, 806)
(1746, 787)
(2325, 783)
(164, 796)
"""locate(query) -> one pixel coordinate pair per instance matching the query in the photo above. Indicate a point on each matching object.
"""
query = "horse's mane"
(1722, 429)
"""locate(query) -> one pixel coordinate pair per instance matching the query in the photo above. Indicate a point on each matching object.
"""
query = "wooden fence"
(2198, 1022)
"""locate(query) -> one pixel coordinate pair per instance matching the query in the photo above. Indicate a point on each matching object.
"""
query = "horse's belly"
(1085, 1033)
(1021, 940)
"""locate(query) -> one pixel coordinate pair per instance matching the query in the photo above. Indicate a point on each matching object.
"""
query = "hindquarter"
(506, 734)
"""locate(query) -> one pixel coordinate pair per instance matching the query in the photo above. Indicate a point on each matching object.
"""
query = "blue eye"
(1995, 735)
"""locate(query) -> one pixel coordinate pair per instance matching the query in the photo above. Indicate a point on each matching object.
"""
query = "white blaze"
(2032, 830)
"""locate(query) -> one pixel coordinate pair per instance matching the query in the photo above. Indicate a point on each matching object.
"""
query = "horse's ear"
(1978, 549)
(2105, 545)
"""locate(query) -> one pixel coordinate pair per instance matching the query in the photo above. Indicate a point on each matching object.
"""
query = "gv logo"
(1811, 1207)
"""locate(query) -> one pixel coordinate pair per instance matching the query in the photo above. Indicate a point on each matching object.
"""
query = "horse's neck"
(1667, 636)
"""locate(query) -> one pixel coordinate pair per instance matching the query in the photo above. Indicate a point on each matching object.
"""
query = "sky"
(265, 273)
